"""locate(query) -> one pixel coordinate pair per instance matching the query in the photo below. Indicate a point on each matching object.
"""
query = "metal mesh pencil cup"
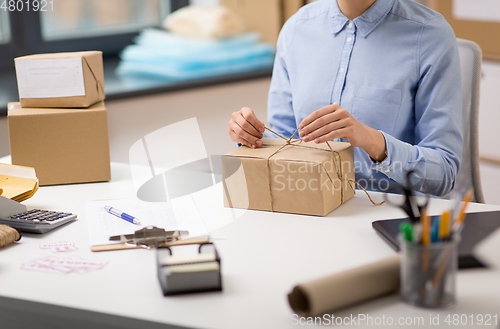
(428, 273)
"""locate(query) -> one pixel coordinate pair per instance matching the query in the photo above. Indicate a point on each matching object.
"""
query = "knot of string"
(335, 155)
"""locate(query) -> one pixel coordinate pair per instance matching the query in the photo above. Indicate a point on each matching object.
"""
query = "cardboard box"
(295, 179)
(265, 16)
(478, 25)
(61, 80)
(290, 7)
(63, 145)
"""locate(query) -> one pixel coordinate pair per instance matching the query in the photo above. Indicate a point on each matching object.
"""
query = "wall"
(212, 106)
(489, 134)
(489, 113)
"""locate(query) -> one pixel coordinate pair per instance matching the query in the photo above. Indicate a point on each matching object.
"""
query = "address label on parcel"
(48, 78)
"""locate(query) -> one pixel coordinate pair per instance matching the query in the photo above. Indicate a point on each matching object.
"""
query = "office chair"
(470, 62)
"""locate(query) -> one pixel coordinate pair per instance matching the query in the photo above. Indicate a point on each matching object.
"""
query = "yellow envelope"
(17, 182)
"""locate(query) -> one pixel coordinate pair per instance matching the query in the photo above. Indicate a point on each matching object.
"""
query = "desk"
(263, 256)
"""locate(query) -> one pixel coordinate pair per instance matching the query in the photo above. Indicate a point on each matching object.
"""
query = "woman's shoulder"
(414, 11)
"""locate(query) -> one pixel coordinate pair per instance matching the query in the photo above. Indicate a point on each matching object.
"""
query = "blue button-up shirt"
(395, 68)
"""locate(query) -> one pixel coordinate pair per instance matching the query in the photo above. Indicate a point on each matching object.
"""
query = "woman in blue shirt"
(383, 75)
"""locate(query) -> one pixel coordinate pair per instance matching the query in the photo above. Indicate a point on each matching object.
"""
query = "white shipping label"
(47, 78)
(477, 10)
(17, 171)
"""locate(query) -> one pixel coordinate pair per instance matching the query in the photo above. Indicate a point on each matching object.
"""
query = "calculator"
(37, 220)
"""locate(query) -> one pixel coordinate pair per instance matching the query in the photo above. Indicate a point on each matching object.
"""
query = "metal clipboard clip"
(148, 237)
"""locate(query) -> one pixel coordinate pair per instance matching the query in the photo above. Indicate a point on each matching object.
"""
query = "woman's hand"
(245, 128)
(333, 121)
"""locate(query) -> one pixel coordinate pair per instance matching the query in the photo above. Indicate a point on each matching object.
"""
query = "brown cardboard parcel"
(93, 78)
(300, 178)
(63, 145)
(265, 16)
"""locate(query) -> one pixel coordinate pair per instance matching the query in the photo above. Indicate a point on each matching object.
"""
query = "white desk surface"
(264, 255)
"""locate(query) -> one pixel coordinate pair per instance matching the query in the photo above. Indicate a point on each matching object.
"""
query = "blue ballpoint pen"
(121, 214)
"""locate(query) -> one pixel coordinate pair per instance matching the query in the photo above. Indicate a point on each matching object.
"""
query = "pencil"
(426, 228)
(426, 239)
(444, 263)
(444, 225)
(461, 214)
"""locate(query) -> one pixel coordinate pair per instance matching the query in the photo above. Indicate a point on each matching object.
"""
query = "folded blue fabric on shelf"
(163, 54)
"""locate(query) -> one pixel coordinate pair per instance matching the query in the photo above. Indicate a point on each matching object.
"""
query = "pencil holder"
(428, 273)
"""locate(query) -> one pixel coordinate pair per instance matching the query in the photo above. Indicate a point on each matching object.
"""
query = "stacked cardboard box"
(60, 125)
(478, 21)
(265, 16)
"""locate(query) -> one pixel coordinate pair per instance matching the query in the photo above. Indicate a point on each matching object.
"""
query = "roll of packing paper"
(339, 290)
(8, 235)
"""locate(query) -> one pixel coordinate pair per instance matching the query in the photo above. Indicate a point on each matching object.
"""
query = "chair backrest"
(470, 62)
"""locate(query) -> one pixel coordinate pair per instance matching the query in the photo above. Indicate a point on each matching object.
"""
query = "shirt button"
(350, 25)
(341, 70)
(349, 39)
(387, 170)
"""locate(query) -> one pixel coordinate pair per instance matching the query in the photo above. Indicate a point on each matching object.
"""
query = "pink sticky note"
(66, 265)
(33, 266)
(61, 246)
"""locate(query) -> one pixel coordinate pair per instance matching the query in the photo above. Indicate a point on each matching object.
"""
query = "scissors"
(410, 204)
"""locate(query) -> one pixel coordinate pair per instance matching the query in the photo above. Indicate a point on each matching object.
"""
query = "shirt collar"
(365, 23)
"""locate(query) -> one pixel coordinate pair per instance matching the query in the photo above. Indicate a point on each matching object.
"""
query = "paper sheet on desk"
(178, 214)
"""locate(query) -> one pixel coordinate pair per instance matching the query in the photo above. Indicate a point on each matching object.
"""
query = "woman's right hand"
(245, 128)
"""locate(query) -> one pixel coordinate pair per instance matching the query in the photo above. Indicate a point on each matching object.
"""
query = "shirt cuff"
(394, 164)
